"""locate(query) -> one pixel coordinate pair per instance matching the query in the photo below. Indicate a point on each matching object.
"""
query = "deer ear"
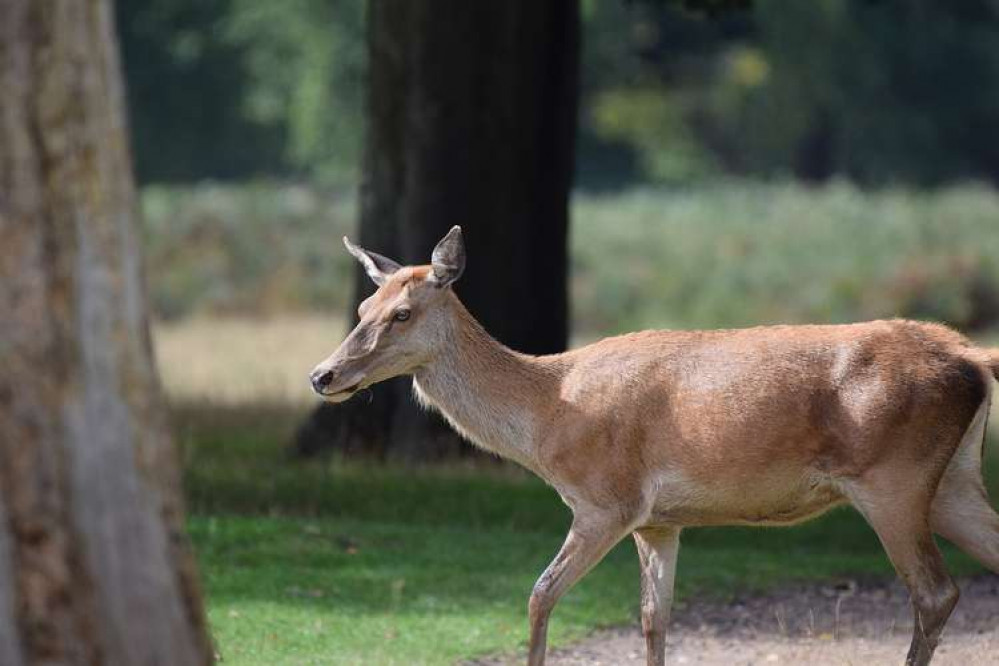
(448, 259)
(377, 267)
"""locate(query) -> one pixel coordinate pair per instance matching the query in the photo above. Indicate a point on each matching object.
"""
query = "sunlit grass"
(328, 590)
(327, 562)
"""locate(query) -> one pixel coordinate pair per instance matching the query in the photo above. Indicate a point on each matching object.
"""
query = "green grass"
(333, 563)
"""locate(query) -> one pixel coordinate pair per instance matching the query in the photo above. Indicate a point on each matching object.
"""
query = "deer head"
(401, 326)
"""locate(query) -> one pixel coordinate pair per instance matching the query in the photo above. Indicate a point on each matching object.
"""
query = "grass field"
(330, 562)
(324, 562)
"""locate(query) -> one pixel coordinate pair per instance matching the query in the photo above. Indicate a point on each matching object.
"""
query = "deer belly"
(775, 499)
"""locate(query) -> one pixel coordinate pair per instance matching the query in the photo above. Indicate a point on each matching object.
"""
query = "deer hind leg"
(898, 509)
(657, 551)
(961, 512)
(587, 543)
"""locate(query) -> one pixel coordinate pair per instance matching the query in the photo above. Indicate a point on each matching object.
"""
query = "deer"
(648, 433)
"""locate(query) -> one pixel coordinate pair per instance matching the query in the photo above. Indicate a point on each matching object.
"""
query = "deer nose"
(321, 379)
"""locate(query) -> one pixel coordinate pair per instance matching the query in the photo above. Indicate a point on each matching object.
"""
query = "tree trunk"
(94, 564)
(471, 116)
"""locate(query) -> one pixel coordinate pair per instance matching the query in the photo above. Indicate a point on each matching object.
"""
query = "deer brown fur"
(651, 432)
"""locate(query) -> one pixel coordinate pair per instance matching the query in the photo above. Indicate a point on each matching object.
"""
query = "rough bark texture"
(94, 564)
(472, 121)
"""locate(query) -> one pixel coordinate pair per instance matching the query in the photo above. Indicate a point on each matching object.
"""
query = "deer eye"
(401, 315)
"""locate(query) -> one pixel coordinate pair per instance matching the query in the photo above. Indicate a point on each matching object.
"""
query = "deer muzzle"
(334, 386)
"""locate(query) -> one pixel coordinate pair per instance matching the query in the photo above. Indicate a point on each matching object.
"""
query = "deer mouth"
(342, 394)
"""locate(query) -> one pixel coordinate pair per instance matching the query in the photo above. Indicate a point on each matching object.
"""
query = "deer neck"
(489, 393)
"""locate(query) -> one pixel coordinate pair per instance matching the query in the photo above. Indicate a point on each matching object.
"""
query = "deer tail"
(992, 359)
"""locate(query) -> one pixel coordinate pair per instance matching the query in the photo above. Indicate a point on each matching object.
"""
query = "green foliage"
(255, 248)
(644, 66)
(739, 255)
(185, 87)
(238, 88)
(306, 60)
(319, 562)
(880, 92)
(652, 122)
(725, 254)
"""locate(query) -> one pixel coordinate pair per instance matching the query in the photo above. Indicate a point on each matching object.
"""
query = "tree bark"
(94, 564)
(471, 120)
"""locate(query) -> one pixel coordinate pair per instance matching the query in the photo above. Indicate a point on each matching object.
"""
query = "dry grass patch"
(238, 361)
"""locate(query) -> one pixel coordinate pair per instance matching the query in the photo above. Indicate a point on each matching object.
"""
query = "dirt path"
(811, 625)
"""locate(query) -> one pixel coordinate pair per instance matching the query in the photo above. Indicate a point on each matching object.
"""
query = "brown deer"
(647, 433)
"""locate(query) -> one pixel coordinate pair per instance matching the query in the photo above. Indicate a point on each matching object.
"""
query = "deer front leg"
(657, 551)
(587, 543)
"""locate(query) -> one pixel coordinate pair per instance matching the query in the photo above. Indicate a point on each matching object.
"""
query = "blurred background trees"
(883, 91)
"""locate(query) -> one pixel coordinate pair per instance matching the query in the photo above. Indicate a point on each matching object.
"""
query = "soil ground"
(843, 624)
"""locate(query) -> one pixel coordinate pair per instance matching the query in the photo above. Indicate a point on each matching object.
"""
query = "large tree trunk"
(94, 564)
(472, 121)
